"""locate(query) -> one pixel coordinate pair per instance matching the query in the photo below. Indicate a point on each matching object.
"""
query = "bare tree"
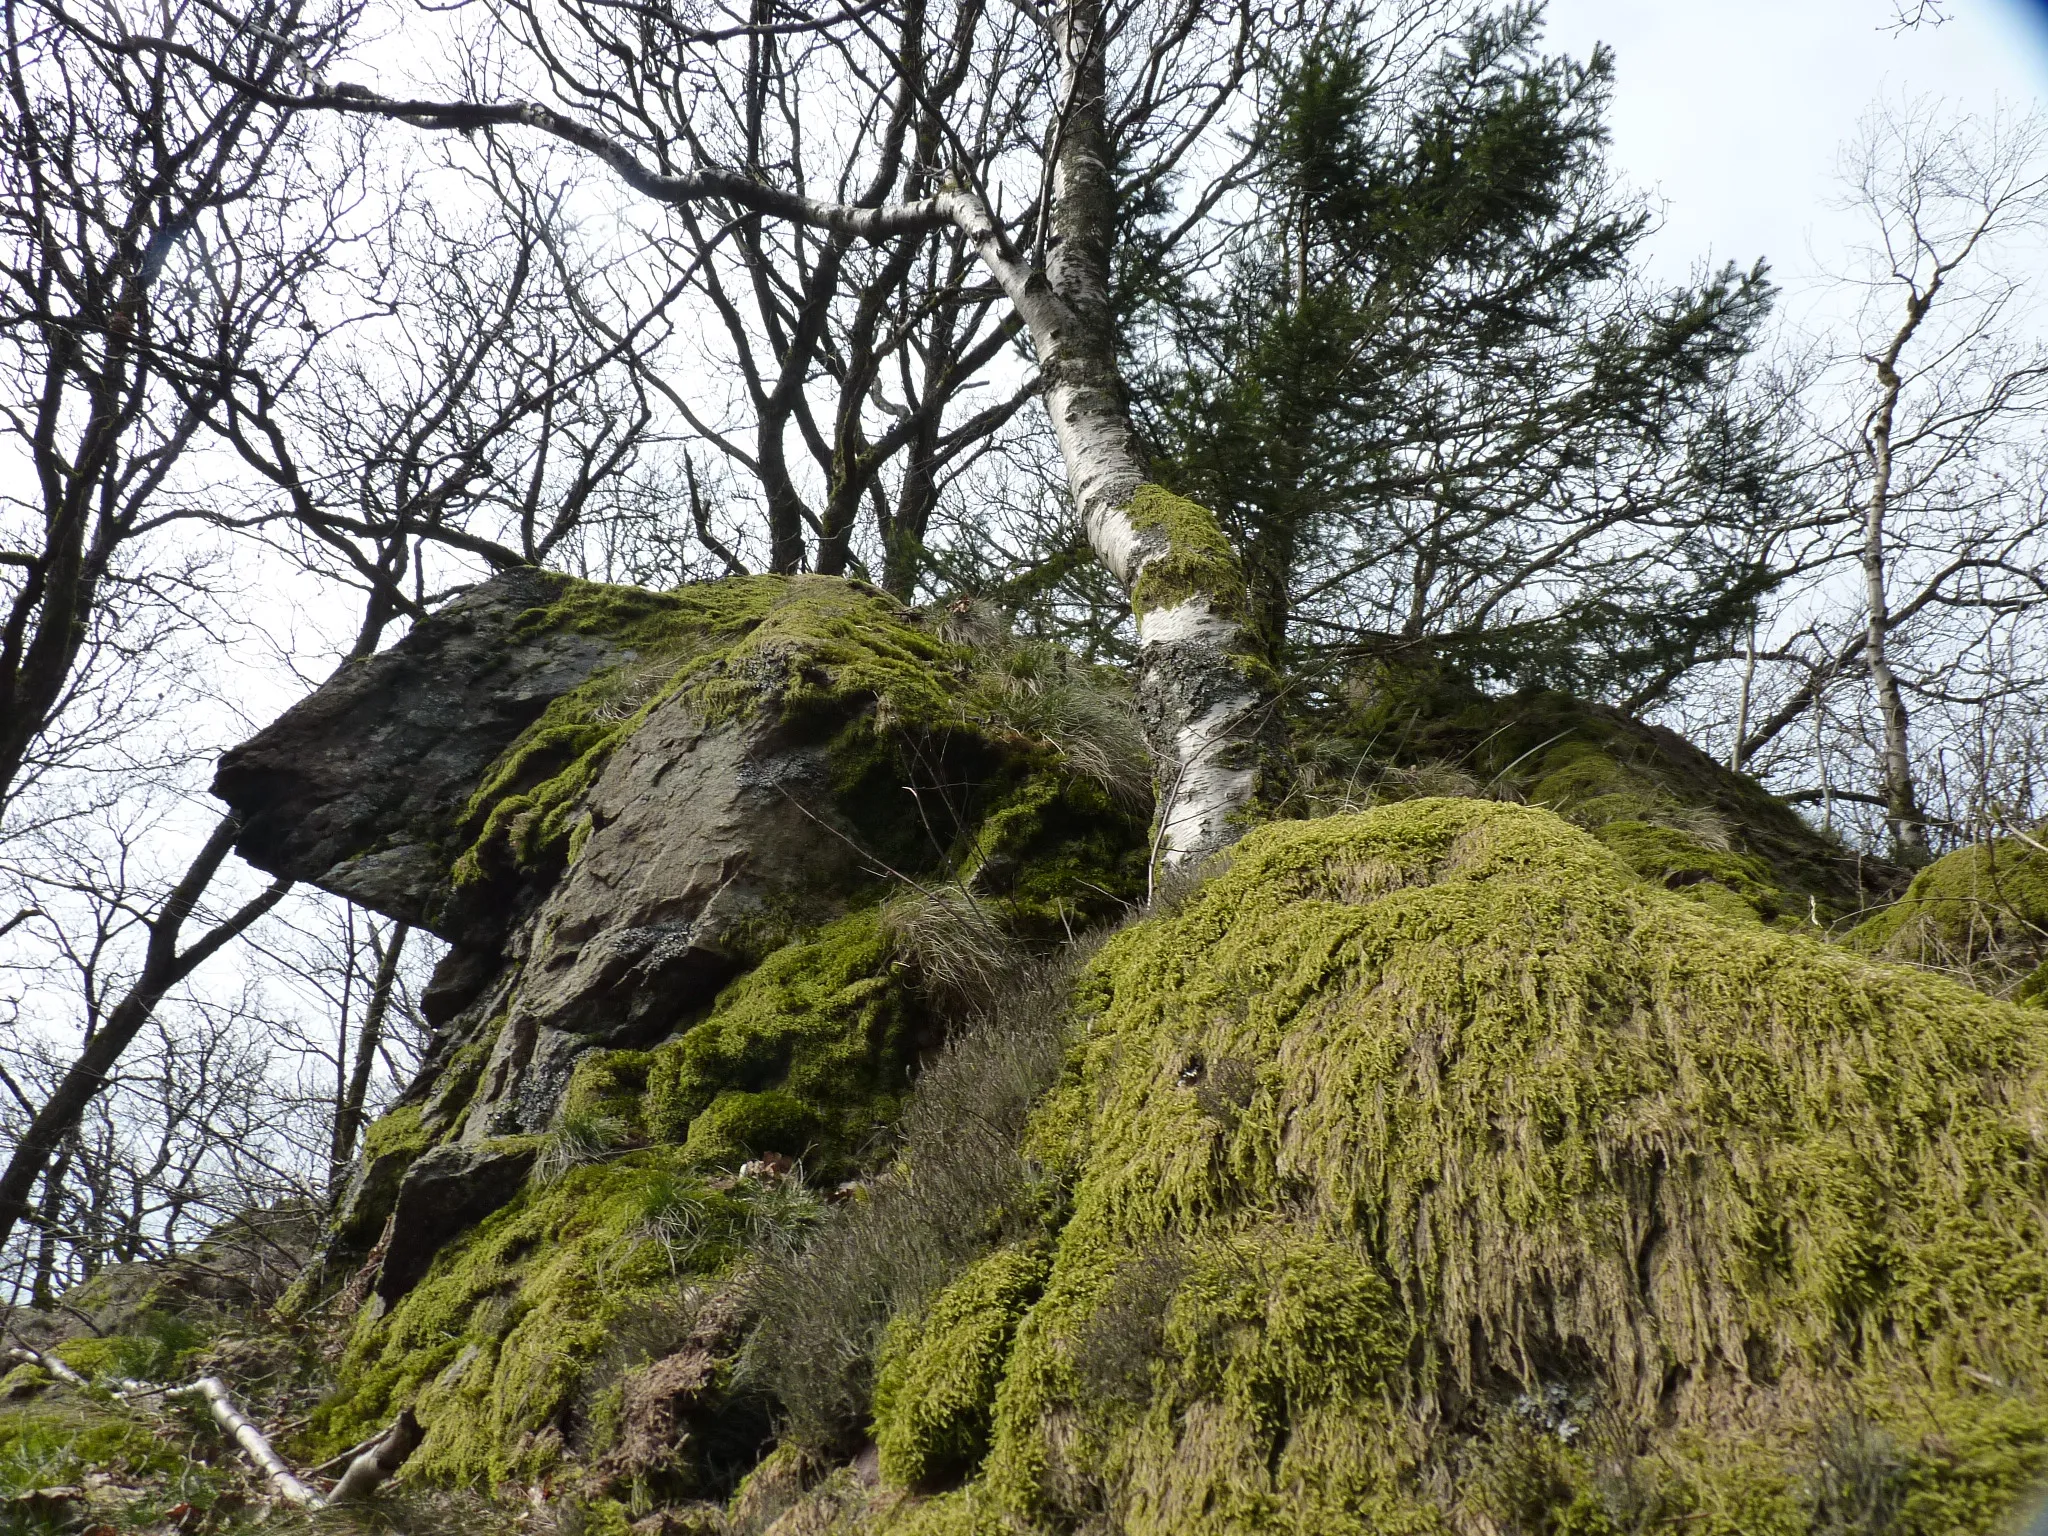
(118, 1003)
(481, 410)
(149, 253)
(1126, 93)
(1929, 431)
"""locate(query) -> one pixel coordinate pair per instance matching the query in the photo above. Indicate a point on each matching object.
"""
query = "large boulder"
(617, 805)
(358, 788)
(1430, 1170)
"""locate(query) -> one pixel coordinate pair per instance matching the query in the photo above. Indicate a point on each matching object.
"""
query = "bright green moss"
(609, 1085)
(1197, 561)
(805, 1055)
(493, 1347)
(1410, 1112)
(936, 1391)
(1978, 899)
(397, 1134)
(158, 1345)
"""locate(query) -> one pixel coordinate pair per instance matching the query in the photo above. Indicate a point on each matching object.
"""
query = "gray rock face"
(445, 1191)
(696, 832)
(357, 788)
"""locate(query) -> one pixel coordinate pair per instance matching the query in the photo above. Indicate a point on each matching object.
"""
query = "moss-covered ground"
(1540, 1198)
(493, 1347)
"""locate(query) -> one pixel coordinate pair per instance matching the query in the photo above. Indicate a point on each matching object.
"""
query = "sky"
(1733, 113)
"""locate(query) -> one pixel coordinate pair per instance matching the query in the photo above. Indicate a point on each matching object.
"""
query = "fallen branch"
(374, 1467)
(370, 1464)
(336, 1463)
(282, 1480)
(50, 1363)
(379, 1459)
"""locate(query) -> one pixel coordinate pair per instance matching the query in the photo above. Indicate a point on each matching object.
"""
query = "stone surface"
(357, 788)
(446, 1191)
(696, 833)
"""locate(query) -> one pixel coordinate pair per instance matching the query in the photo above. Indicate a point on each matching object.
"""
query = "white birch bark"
(1902, 810)
(1205, 710)
(249, 1439)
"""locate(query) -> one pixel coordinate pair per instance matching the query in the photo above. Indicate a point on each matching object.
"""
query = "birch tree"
(1928, 428)
(1094, 102)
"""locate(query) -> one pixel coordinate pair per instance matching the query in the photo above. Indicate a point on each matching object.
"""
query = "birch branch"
(371, 1464)
(375, 1466)
(50, 1363)
(282, 1480)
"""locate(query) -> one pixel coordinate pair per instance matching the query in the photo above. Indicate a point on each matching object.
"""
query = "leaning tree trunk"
(1204, 692)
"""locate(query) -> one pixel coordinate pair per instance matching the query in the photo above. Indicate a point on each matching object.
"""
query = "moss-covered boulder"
(1431, 1170)
(710, 901)
(1519, 1154)
(746, 772)
(1674, 814)
(1980, 912)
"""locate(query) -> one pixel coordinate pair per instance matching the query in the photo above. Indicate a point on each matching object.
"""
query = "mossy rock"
(806, 1055)
(1552, 1200)
(810, 648)
(495, 1347)
(1980, 908)
(1407, 728)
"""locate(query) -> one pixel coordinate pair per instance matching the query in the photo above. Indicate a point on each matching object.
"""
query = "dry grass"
(959, 1184)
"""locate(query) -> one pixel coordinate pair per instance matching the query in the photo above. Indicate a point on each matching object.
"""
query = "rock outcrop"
(660, 832)
(1449, 1165)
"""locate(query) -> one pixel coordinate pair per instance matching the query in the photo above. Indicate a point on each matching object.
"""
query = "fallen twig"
(282, 1480)
(50, 1363)
(369, 1465)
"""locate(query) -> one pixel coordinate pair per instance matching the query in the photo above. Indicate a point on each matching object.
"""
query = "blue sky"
(1734, 112)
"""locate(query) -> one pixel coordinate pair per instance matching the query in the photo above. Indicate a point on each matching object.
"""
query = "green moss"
(158, 1346)
(397, 1134)
(2034, 989)
(609, 1085)
(1056, 852)
(1964, 906)
(493, 1347)
(935, 1396)
(1413, 727)
(803, 645)
(25, 1380)
(135, 1473)
(1197, 561)
(804, 1055)
(1736, 884)
(1512, 1122)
